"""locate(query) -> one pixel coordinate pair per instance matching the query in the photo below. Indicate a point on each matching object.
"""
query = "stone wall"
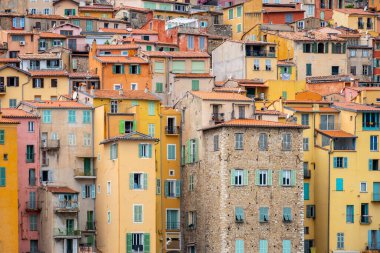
(214, 198)
(221, 30)
(82, 63)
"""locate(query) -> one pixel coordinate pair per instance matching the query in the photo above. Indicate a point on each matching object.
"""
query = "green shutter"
(140, 150)
(178, 67)
(131, 181)
(122, 69)
(293, 177)
(345, 162)
(122, 127)
(280, 177)
(188, 158)
(159, 88)
(148, 48)
(232, 177)
(304, 47)
(196, 153)
(146, 243)
(2, 136)
(134, 127)
(195, 85)
(326, 48)
(2, 176)
(129, 243)
(314, 46)
(151, 108)
(197, 67)
(145, 181)
(113, 69)
(245, 177)
(257, 177)
(269, 177)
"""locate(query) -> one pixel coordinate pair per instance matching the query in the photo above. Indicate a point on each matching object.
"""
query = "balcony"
(3, 89)
(365, 219)
(45, 162)
(345, 144)
(90, 226)
(260, 53)
(173, 225)
(64, 233)
(67, 206)
(217, 117)
(50, 144)
(84, 174)
(375, 197)
(33, 206)
(360, 25)
(306, 174)
(172, 130)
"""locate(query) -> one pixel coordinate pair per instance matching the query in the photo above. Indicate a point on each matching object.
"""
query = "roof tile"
(256, 123)
(226, 96)
(47, 104)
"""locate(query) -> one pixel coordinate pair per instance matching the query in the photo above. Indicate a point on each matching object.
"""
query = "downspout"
(161, 193)
(328, 199)
(93, 162)
(118, 196)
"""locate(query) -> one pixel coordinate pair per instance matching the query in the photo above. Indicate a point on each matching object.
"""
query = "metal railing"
(172, 130)
(50, 144)
(260, 53)
(173, 225)
(67, 204)
(365, 219)
(217, 117)
(33, 205)
(66, 232)
(83, 173)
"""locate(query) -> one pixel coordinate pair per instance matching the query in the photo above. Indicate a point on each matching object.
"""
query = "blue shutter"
(239, 246)
(306, 191)
(150, 150)
(370, 246)
(140, 150)
(131, 181)
(178, 188)
(339, 184)
(83, 191)
(14, 22)
(93, 191)
(145, 181)
(22, 22)
(286, 246)
(263, 247)
(370, 164)
(345, 162)
(166, 188)
(335, 162)
(151, 108)
(2, 176)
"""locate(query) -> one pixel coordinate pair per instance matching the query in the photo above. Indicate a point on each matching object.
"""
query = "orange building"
(119, 67)
(96, 10)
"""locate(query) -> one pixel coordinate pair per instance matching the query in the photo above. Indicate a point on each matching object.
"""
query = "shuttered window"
(195, 85)
(72, 116)
(46, 116)
(263, 246)
(197, 67)
(239, 246)
(178, 67)
(2, 136)
(171, 152)
(86, 117)
(159, 67)
(2, 177)
(286, 246)
(339, 184)
(263, 214)
(151, 108)
(137, 213)
(306, 191)
(159, 87)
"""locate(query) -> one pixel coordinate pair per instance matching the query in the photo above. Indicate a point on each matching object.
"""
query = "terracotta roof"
(246, 81)
(6, 60)
(43, 16)
(194, 75)
(8, 121)
(355, 107)
(83, 17)
(177, 54)
(134, 136)
(18, 32)
(133, 8)
(333, 78)
(12, 14)
(254, 85)
(226, 96)
(306, 102)
(272, 9)
(256, 123)
(60, 189)
(285, 63)
(82, 75)
(47, 104)
(128, 94)
(51, 35)
(43, 56)
(310, 109)
(336, 133)
(129, 31)
(267, 112)
(16, 113)
(220, 83)
(313, 36)
(48, 72)
(15, 68)
(108, 8)
(57, 1)
(122, 46)
(120, 59)
(352, 11)
(228, 89)
(364, 88)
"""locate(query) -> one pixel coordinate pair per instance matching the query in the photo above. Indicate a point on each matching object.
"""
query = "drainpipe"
(161, 192)
(328, 198)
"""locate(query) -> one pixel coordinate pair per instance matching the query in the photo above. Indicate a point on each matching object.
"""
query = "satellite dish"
(75, 95)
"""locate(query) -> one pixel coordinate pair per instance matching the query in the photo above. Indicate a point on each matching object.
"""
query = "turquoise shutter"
(195, 85)
(345, 162)
(293, 177)
(339, 184)
(129, 243)
(122, 69)
(166, 188)
(145, 181)
(131, 181)
(151, 109)
(138, 69)
(188, 158)
(83, 191)
(370, 164)
(239, 246)
(134, 126)
(288, 213)
(269, 177)
(178, 188)
(130, 69)
(158, 186)
(93, 192)
(150, 150)
(122, 127)
(245, 179)
(2, 136)
(306, 191)
(257, 177)
(140, 150)
(263, 246)
(113, 69)
(335, 162)
(146, 243)
(286, 246)
(232, 177)
(2, 176)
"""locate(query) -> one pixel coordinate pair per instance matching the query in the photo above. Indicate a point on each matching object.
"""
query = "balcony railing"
(3, 88)
(64, 232)
(33, 206)
(45, 162)
(261, 53)
(50, 144)
(306, 174)
(173, 225)
(67, 206)
(375, 197)
(328, 126)
(30, 158)
(365, 219)
(84, 174)
(90, 225)
(172, 130)
(217, 117)
(371, 126)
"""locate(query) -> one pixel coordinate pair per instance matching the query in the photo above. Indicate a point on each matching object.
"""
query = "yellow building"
(341, 185)
(96, 10)
(357, 19)
(21, 85)
(243, 17)
(8, 186)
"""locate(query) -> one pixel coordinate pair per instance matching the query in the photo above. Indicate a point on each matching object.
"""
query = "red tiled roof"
(133, 8)
(39, 56)
(355, 107)
(310, 109)
(267, 112)
(352, 11)
(256, 123)
(336, 133)
(83, 17)
(194, 75)
(48, 72)
(129, 31)
(8, 121)
(18, 32)
(122, 46)
(47, 104)
(268, 9)
(43, 16)
(96, 8)
(82, 75)
(120, 59)
(177, 54)
(313, 36)
(6, 60)
(16, 113)
(228, 89)
(306, 102)
(51, 35)
(129, 94)
(226, 96)
(60, 189)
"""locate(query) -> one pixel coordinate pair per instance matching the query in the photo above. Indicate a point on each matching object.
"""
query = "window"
(263, 177)
(33, 246)
(353, 53)
(118, 69)
(263, 142)
(190, 42)
(47, 176)
(109, 217)
(32, 177)
(353, 70)
(263, 246)
(151, 108)
(288, 18)
(365, 53)
(310, 211)
(172, 219)
(197, 66)
(239, 141)
(159, 67)
(239, 177)
(171, 152)
(134, 86)
(137, 213)
(54, 83)
(202, 43)
(370, 121)
(327, 122)
(349, 214)
(263, 214)
(113, 151)
(178, 67)
(287, 214)
(216, 142)
(114, 106)
(239, 214)
(86, 139)
(306, 230)
(366, 70)
(88, 26)
(340, 162)
(159, 87)
(145, 37)
(287, 177)
(238, 28)
(12, 81)
(145, 150)
(30, 126)
(306, 191)
(239, 246)
(305, 144)
(256, 64)
(308, 69)
(339, 184)
(286, 141)
(373, 164)
(38, 82)
(191, 220)
(30, 153)
(340, 241)
(134, 69)
(72, 116)
(231, 13)
(286, 246)
(268, 65)
(86, 117)
(33, 222)
(192, 148)
(2, 177)
(46, 116)
(172, 188)
(72, 139)
(195, 85)
(151, 130)
(305, 119)
(191, 182)
(88, 191)
(18, 37)
(158, 186)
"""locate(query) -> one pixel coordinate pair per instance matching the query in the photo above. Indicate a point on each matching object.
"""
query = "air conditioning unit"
(22, 43)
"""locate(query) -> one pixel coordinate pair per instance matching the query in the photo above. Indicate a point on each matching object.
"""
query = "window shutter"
(42, 82)
(196, 158)
(344, 48)
(345, 162)
(146, 243)
(269, 177)
(2, 136)
(195, 85)
(134, 126)
(280, 177)
(293, 178)
(122, 69)
(188, 158)
(131, 181)
(263, 246)
(306, 191)
(178, 188)
(166, 188)
(138, 69)
(286, 246)
(129, 243)
(145, 181)
(93, 194)
(370, 164)
(245, 177)
(150, 150)
(83, 191)
(339, 184)
(335, 162)
(140, 150)
(314, 45)
(326, 48)
(2, 176)
(158, 186)
(130, 69)
(114, 69)
(232, 177)
(257, 177)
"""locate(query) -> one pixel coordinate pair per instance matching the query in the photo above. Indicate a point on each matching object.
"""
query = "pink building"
(75, 41)
(29, 175)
